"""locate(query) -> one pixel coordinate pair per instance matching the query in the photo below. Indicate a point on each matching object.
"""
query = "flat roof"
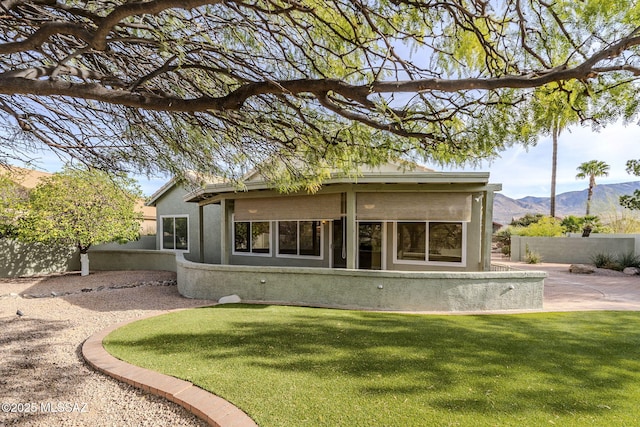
(482, 178)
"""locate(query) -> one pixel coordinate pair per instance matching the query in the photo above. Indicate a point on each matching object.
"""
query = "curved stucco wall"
(375, 290)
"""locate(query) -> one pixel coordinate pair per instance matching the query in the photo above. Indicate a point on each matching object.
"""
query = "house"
(187, 228)
(391, 239)
(388, 218)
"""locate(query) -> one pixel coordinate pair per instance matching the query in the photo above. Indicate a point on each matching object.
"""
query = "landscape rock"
(582, 269)
(230, 299)
(631, 271)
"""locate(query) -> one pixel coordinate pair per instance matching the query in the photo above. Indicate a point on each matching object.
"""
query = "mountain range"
(605, 199)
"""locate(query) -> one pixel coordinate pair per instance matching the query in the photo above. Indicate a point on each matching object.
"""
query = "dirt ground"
(43, 378)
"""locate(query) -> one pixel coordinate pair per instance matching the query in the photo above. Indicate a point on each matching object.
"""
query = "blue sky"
(528, 172)
(521, 172)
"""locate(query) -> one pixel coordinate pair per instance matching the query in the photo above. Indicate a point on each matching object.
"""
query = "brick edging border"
(212, 409)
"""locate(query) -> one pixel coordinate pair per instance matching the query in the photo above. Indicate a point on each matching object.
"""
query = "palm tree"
(555, 108)
(555, 133)
(592, 169)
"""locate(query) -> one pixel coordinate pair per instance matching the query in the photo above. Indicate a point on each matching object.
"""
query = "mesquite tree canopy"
(295, 88)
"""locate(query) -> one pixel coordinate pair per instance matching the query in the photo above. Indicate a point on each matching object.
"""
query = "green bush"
(502, 239)
(527, 220)
(618, 263)
(629, 260)
(576, 224)
(605, 260)
(572, 224)
(546, 227)
(532, 257)
(602, 259)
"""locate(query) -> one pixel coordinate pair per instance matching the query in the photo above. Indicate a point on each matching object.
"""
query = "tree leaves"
(202, 85)
(82, 208)
(632, 201)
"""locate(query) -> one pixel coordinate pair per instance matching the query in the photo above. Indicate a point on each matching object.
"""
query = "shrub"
(527, 220)
(576, 224)
(506, 250)
(532, 257)
(546, 227)
(604, 260)
(601, 259)
(629, 260)
(502, 239)
(572, 224)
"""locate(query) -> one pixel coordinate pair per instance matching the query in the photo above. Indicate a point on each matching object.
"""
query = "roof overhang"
(475, 179)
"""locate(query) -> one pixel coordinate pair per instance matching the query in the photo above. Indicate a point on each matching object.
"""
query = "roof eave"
(214, 190)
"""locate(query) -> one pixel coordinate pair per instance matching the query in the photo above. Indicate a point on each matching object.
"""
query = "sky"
(521, 172)
(528, 172)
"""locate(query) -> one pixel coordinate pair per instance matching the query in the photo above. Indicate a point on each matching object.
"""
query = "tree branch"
(23, 82)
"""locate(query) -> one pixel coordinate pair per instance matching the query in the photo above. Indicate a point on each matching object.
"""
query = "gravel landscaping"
(43, 378)
(45, 382)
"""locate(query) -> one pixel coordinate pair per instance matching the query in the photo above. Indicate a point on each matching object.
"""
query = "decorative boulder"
(229, 299)
(631, 271)
(582, 269)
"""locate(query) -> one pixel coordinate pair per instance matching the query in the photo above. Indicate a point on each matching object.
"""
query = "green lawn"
(292, 366)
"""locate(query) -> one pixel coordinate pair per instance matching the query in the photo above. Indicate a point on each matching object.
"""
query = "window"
(445, 241)
(252, 237)
(412, 241)
(300, 238)
(175, 233)
(424, 242)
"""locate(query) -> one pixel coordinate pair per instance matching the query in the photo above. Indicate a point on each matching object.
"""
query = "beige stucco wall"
(111, 260)
(28, 259)
(205, 247)
(377, 290)
(571, 250)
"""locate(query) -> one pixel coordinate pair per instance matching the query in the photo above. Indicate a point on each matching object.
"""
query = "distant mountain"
(605, 197)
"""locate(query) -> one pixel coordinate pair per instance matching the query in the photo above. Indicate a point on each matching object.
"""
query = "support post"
(201, 232)
(225, 227)
(352, 230)
(487, 229)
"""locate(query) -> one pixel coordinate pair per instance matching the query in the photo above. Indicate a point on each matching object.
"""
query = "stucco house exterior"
(390, 239)
(184, 227)
(388, 218)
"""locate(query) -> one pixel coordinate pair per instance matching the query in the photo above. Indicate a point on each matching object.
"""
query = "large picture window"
(299, 238)
(430, 242)
(252, 237)
(175, 233)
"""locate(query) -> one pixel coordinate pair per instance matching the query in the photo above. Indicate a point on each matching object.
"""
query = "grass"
(297, 366)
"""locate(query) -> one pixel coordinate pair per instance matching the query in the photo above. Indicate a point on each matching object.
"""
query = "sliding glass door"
(370, 245)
